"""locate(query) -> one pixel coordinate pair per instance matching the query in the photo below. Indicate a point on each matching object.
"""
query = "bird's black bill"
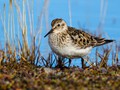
(48, 33)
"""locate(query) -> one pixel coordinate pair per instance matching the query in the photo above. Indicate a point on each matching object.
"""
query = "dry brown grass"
(23, 67)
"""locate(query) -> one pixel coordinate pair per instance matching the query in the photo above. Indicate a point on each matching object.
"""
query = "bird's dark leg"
(60, 64)
(83, 64)
(69, 62)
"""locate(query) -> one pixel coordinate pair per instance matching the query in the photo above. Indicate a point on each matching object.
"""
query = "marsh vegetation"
(22, 65)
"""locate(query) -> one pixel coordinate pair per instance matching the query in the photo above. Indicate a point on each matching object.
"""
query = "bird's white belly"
(73, 52)
(70, 51)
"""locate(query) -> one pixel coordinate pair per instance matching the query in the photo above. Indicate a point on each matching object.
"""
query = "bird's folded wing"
(83, 40)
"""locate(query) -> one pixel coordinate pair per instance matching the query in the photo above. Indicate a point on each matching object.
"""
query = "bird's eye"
(58, 25)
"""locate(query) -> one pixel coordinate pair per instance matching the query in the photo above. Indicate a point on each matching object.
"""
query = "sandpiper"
(70, 42)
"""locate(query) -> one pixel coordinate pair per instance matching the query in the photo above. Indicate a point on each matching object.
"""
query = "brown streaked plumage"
(84, 39)
(70, 42)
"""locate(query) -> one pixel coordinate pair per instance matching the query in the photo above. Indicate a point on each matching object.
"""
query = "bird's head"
(58, 26)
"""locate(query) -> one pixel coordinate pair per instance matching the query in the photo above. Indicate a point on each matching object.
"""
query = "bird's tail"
(102, 41)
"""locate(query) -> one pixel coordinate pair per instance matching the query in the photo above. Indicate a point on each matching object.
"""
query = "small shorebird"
(69, 42)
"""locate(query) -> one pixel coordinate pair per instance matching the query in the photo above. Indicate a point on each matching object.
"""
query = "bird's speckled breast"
(58, 42)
